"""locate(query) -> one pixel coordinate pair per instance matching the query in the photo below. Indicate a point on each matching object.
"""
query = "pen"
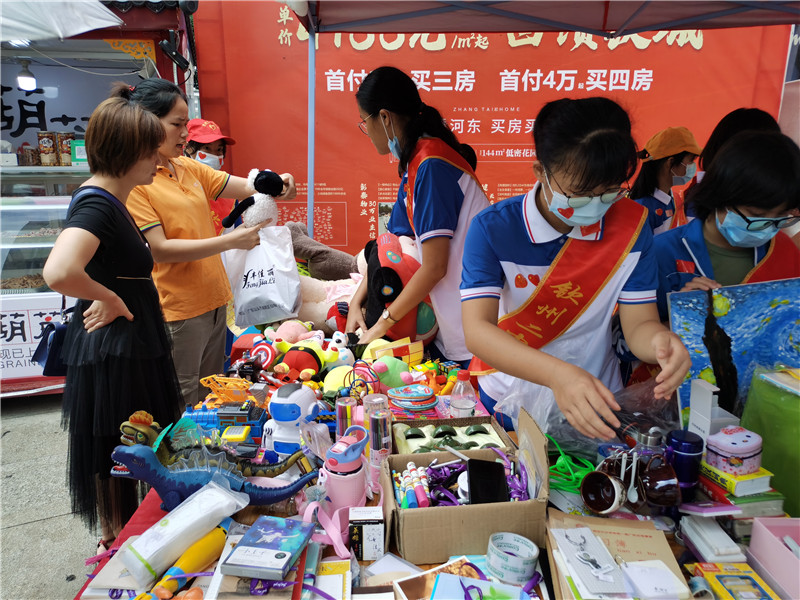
(419, 490)
(410, 495)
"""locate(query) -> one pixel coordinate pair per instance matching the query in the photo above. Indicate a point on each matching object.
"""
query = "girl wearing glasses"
(544, 271)
(667, 160)
(748, 195)
(438, 197)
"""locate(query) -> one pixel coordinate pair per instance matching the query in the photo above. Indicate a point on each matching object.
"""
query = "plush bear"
(320, 298)
(292, 331)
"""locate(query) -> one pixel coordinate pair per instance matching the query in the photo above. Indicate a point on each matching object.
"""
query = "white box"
(705, 416)
(366, 532)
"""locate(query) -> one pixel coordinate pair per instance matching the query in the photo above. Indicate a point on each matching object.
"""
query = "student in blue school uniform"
(736, 121)
(668, 159)
(750, 193)
(439, 195)
(544, 271)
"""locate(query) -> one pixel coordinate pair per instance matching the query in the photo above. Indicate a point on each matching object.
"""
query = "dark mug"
(602, 493)
(660, 482)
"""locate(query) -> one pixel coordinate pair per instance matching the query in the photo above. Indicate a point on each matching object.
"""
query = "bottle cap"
(649, 438)
(685, 441)
(463, 375)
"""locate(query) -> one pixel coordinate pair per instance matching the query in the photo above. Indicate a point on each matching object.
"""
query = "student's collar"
(661, 196)
(540, 231)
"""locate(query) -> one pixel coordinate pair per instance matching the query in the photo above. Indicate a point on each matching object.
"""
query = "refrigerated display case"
(33, 208)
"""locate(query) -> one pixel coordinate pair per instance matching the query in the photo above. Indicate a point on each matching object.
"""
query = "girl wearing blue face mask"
(749, 194)
(543, 273)
(438, 196)
(668, 159)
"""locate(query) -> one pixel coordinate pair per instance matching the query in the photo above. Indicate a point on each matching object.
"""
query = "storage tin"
(734, 450)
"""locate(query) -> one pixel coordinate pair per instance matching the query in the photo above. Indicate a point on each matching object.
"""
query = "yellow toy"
(225, 390)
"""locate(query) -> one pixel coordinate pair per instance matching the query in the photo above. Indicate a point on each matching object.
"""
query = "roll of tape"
(511, 558)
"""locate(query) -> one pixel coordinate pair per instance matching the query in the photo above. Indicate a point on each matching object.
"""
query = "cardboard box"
(773, 556)
(366, 532)
(488, 420)
(705, 416)
(431, 535)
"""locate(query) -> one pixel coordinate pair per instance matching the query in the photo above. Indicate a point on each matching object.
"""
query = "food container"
(48, 148)
(734, 450)
(64, 140)
(685, 452)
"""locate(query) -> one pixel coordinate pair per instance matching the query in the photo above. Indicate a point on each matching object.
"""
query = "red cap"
(463, 375)
(205, 132)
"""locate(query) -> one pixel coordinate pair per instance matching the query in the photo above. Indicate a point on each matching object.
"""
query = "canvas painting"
(732, 330)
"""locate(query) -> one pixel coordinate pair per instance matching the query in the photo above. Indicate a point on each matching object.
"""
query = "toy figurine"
(290, 405)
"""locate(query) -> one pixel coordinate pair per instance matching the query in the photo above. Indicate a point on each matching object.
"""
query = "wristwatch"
(388, 317)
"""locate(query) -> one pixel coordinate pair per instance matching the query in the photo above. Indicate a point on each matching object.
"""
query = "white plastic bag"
(264, 280)
(161, 545)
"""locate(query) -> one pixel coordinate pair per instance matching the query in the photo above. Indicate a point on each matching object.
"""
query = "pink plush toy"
(292, 331)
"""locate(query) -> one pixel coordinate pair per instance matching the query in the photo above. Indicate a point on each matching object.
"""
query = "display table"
(148, 513)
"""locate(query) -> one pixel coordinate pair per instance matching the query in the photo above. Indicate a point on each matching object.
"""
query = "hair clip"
(131, 88)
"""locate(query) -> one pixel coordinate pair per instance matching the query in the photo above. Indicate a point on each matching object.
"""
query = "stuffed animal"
(302, 360)
(390, 371)
(261, 206)
(392, 262)
(293, 331)
(318, 296)
(323, 262)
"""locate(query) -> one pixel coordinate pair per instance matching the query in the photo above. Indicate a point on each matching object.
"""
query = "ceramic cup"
(660, 482)
(602, 493)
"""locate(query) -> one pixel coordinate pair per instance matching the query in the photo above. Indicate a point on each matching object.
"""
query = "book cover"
(334, 578)
(709, 509)
(764, 504)
(268, 549)
(740, 485)
(448, 586)
(420, 585)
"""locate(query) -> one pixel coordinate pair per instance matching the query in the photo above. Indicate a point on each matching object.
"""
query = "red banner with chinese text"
(253, 75)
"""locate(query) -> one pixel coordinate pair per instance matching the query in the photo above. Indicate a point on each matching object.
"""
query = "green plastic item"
(773, 412)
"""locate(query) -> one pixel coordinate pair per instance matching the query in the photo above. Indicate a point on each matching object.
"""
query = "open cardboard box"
(489, 420)
(431, 535)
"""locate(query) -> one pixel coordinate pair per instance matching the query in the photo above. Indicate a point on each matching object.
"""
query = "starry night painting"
(732, 330)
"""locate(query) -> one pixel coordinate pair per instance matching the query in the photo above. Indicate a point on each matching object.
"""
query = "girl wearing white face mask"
(438, 196)
(749, 194)
(553, 264)
(668, 160)
(206, 143)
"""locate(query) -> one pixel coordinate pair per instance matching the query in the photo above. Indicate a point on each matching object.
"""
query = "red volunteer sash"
(679, 195)
(574, 279)
(782, 261)
(431, 148)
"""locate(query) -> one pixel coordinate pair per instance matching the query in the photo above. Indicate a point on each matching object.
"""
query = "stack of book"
(751, 493)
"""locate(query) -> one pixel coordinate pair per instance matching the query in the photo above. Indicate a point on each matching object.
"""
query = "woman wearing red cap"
(174, 214)
(206, 143)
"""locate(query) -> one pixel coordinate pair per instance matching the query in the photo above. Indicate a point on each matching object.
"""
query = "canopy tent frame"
(618, 18)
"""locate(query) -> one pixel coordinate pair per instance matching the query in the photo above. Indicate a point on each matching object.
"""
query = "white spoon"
(622, 467)
(633, 493)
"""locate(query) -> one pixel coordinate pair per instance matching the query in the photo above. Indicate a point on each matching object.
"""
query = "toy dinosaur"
(178, 441)
(187, 475)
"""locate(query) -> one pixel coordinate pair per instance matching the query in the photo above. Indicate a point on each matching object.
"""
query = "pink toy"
(734, 450)
(292, 331)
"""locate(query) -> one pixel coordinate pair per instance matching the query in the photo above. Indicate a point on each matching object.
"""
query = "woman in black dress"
(116, 350)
